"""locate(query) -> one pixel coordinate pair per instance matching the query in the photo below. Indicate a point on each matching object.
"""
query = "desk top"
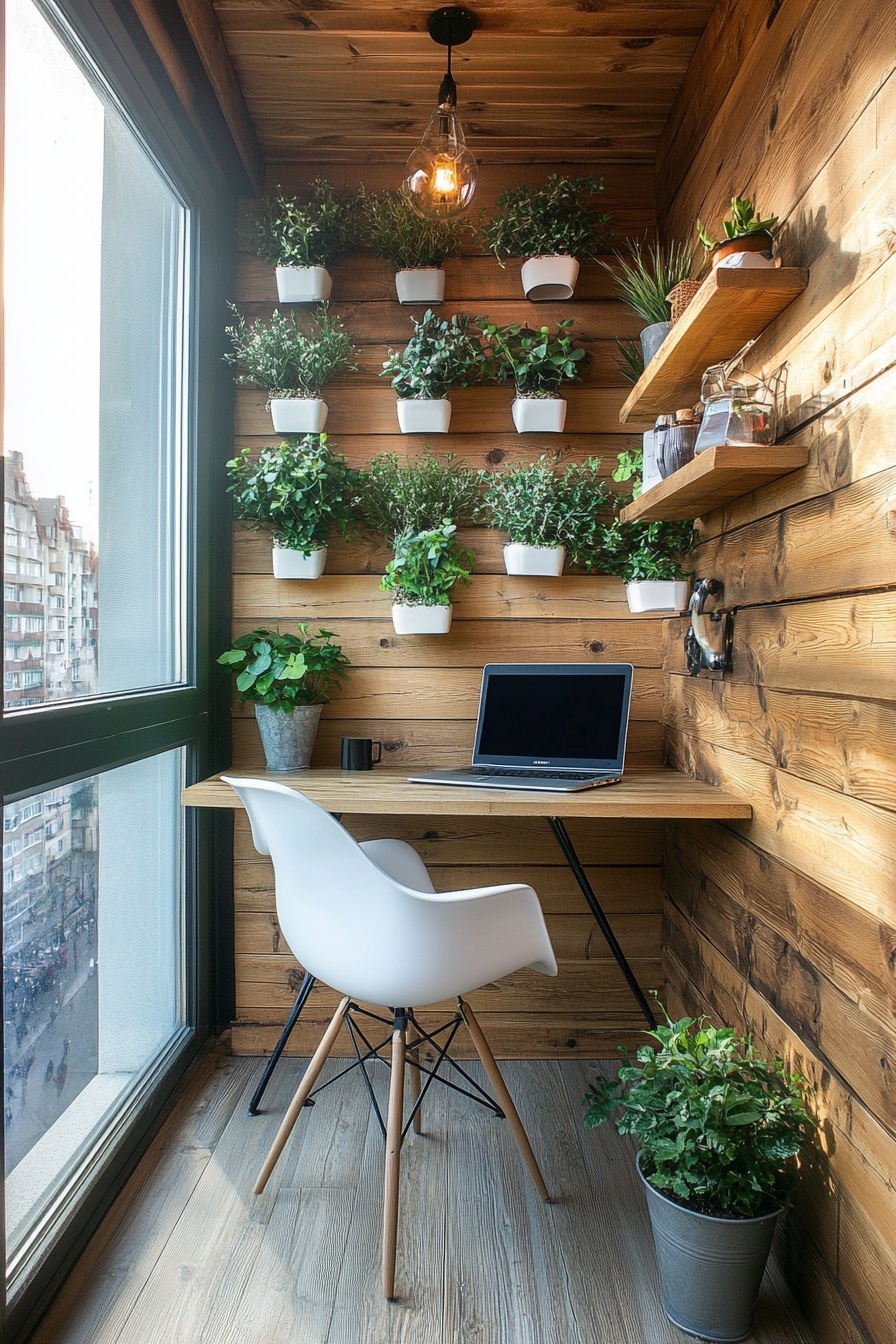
(377, 792)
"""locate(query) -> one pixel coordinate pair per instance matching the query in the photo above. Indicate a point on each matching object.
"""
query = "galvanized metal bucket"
(288, 739)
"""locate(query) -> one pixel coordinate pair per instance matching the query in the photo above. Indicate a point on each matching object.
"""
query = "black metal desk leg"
(558, 826)
(305, 989)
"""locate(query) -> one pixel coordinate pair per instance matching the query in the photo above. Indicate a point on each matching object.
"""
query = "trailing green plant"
(637, 552)
(294, 355)
(443, 353)
(630, 467)
(540, 505)
(537, 362)
(741, 221)
(644, 273)
(718, 1126)
(283, 671)
(555, 218)
(298, 490)
(630, 360)
(426, 566)
(297, 231)
(398, 497)
(385, 224)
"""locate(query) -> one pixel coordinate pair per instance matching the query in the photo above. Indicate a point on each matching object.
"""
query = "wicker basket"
(681, 296)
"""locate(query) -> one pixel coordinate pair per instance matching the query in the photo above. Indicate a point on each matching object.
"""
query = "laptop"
(556, 727)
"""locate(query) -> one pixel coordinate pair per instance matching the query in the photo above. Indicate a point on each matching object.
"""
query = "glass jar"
(678, 442)
(737, 414)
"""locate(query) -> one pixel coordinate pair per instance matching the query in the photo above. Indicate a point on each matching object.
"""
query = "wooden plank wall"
(419, 696)
(788, 925)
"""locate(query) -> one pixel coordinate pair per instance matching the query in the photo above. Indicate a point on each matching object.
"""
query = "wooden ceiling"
(545, 80)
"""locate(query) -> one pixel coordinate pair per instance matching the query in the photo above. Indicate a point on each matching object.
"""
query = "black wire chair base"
(369, 1053)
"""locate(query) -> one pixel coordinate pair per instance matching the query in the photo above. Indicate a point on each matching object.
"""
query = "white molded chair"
(365, 919)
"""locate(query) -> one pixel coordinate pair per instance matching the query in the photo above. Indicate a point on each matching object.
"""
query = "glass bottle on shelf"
(679, 441)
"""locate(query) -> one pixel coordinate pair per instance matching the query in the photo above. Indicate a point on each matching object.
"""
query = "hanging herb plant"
(556, 218)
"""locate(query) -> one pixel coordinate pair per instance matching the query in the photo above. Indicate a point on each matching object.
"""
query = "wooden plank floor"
(188, 1254)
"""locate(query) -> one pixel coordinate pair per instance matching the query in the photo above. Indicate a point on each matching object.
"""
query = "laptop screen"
(554, 714)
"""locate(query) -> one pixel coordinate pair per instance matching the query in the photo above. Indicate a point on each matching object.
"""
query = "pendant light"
(441, 175)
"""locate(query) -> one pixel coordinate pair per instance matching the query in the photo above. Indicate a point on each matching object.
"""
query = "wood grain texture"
(712, 479)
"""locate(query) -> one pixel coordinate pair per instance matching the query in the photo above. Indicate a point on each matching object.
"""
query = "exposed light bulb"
(441, 175)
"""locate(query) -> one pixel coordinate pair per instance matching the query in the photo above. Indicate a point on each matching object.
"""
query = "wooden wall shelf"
(731, 308)
(712, 479)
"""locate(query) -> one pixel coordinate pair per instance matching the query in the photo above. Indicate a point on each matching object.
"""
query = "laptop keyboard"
(506, 772)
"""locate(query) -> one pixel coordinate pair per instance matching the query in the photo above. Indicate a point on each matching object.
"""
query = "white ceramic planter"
(424, 417)
(549, 278)
(421, 620)
(298, 415)
(424, 284)
(303, 284)
(294, 565)
(657, 595)
(539, 415)
(546, 560)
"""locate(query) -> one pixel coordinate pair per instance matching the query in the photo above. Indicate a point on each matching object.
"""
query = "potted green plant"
(293, 358)
(648, 557)
(538, 363)
(546, 512)
(554, 226)
(298, 490)
(643, 276)
(417, 247)
(396, 497)
(748, 240)
(442, 353)
(300, 237)
(719, 1129)
(421, 575)
(288, 678)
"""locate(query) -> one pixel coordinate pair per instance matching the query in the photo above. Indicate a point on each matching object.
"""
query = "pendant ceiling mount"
(452, 25)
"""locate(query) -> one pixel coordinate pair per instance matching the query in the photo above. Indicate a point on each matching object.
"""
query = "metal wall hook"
(707, 641)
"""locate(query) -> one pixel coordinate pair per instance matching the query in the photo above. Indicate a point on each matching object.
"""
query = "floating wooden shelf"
(731, 308)
(712, 479)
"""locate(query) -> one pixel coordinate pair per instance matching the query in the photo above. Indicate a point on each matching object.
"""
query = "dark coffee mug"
(357, 753)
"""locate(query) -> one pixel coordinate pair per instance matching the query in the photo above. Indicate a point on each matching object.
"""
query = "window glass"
(94, 365)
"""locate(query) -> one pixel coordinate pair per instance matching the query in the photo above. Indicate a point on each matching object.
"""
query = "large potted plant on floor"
(547, 511)
(538, 363)
(292, 358)
(300, 237)
(421, 575)
(298, 490)
(288, 678)
(748, 240)
(649, 558)
(554, 226)
(719, 1129)
(418, 248)
(443, 353)
(644, 274)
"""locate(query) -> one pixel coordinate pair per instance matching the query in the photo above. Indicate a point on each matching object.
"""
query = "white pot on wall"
(303, 284)
(294, 565)
(549, 278)
(539, 415)
(657, 595)
(546, 560)
(423, 284)
(424, 416)
(299, 415)
(421, 620)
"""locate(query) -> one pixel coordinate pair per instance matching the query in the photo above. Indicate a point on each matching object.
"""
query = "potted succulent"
(293, 359)
(554, 226)
(719, 1129)
(421, 575)
(545, 511)
(288, 678)
(748, 240)
(416, 247)
(442, 353)
(643, 276)
(538, 363)
(300, 237)
(648, 558)
(297, 490)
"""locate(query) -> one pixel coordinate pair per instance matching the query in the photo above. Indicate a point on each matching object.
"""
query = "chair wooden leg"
(414, 1077)
(505, 1100)
(394, 1125)
(303, 1091)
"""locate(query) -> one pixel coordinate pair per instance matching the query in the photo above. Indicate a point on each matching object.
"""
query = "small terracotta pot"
(747, 242)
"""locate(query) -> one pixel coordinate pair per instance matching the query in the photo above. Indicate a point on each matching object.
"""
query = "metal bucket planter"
(652, 338)
(288, 739)
(710, 1268)
(423, 284)
(299, 415)
(545, 560)
(303, 284)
